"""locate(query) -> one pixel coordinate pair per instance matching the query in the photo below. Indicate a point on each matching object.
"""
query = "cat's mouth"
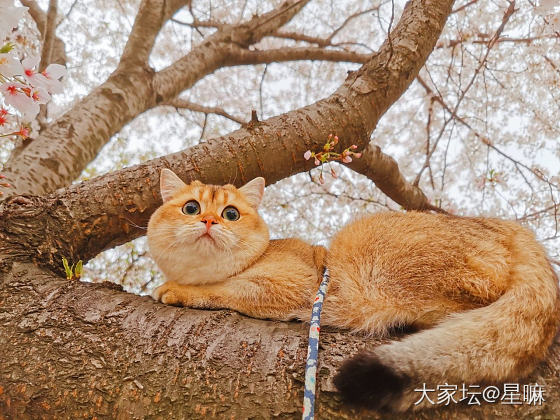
(206, 236)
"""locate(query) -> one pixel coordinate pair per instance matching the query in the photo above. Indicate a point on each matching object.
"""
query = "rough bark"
(75, 350)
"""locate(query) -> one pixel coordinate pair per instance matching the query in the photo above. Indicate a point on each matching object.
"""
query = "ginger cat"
(481, 291)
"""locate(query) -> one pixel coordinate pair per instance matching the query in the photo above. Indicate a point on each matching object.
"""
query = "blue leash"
(313, 350)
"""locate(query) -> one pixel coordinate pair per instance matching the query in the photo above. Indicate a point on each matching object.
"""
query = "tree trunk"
(78, 350)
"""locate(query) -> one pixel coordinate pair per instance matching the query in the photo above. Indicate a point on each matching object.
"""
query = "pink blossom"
(47, 79)
(3, 116)
(357, 155)
(347, 159)
(52, 73)
(10, 66)
(39, 95)
(33, 78)
(307, 155)
(317, 163)
(23, 132)
(14, 95)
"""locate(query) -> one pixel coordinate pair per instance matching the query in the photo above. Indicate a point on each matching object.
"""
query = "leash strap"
(313, 350)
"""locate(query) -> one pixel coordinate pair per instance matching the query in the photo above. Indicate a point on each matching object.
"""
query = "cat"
(480, 292)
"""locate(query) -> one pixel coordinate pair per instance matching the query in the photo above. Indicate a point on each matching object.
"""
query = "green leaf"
(67, 269)
(79, 269)
(6, 48)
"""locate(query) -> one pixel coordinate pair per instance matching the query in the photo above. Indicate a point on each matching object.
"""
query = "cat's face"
(198, 222)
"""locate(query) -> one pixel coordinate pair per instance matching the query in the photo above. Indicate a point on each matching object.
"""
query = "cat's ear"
(253, 191)
(169, 184)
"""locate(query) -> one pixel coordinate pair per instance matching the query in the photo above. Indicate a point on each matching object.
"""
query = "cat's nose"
(209, 221)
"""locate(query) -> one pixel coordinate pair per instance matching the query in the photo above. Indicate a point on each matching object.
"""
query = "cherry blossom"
(3, 117)
(52, 74)
(16, 96)
(47, 79)
(23, 87)
(33, 78)
(10, 66)
(23, 132)
(546, 6)
(327, 154)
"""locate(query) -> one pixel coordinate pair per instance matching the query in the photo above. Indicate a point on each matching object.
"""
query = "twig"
(261, 90)
(186, 104)
(507, 15)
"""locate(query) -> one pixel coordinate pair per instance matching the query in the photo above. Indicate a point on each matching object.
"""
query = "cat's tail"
(500, 342)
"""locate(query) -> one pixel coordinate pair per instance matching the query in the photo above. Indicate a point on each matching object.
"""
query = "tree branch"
(58, 53)
(243, 56)
(49, 35)
(383, 170)
(216, 50)
(186, 104)
(453, 115)
(82, 350)
(104, 212)
(61, 151)
(151, 16)
(322, 42)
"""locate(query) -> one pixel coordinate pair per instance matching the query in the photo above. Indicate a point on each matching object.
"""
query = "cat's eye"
(230, 213)
(191, 207)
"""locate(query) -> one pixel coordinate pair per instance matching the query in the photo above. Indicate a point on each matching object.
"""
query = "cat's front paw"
(167, 293)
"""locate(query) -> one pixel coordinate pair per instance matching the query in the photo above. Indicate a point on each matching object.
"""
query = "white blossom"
(9, 65)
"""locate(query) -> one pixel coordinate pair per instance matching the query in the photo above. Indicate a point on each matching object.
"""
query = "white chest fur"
(186, 267)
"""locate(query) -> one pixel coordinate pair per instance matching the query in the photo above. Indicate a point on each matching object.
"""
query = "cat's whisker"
(131, 223)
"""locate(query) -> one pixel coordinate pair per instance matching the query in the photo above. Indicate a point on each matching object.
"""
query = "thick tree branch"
(151, 16)
(383, 170)
(79, 350)
(105, 211)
